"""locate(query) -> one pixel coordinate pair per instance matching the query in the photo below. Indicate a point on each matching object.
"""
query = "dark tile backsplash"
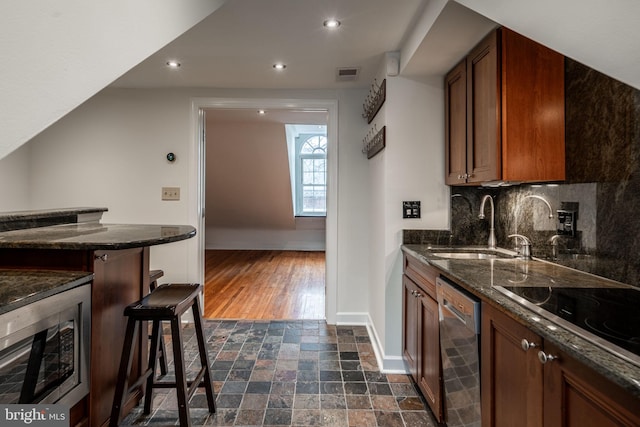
(603, 178)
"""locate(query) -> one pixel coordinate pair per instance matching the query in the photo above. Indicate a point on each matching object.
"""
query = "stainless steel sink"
(472, 255)
(465, 255)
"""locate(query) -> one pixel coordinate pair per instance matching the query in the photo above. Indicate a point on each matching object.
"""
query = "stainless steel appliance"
(459, 344)
(44, 349)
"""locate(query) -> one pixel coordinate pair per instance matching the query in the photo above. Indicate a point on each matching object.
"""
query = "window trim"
(299, 186)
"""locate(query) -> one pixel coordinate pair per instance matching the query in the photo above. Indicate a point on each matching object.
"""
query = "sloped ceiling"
(236, 46)
(56, 55)
(603, 35)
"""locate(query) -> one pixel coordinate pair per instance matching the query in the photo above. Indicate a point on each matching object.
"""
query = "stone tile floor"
(290, 373)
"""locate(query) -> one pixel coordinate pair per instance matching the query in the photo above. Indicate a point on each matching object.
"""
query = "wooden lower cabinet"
(410, 325)
(517, 389)
(511, 378)
(575, 396)
(421, 332)
(429, 370)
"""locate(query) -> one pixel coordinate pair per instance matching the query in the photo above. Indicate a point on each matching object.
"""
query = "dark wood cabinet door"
(576, 396)
(483, 111)
(512, 378)
(120, 278)
(429, 366)
(410, 326)
(533, 136)
(455, 125)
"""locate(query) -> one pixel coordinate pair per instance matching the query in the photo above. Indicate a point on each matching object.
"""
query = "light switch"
(170, 193)
(411, 209)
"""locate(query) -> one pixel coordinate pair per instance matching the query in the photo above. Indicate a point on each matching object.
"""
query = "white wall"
(14, 181)
(411, 167)
(111, 152)
(55, 55)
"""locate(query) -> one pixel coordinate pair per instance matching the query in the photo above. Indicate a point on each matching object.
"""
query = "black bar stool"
(165, 303)
(154, 275)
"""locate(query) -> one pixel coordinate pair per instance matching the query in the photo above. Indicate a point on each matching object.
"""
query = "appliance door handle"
(446, 305)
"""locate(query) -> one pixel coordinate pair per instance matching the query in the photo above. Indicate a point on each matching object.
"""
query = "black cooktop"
(610, 314)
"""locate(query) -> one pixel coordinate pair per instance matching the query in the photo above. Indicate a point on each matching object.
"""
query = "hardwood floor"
(264, 285)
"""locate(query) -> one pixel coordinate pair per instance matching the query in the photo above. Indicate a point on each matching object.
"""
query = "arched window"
(311, 185)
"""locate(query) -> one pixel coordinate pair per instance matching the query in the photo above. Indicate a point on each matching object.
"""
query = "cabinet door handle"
(544, 358)
(526, 345)
(102, 257)
(418, 295)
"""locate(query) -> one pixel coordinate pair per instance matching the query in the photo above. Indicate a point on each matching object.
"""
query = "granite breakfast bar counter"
(118, 257)
(483, 277)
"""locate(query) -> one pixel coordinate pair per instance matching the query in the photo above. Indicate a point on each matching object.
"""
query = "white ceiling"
(237, 45)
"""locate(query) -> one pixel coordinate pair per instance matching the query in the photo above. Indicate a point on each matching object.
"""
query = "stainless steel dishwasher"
(459, 344)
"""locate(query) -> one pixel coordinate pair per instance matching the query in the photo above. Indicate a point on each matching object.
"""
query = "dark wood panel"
(410, 326)
(456, 124)
(512, 378)
(121, 279)
(483, 111)
(47, 259)
(422, 274)
(532, 110)
(576, 396)
(430, 367)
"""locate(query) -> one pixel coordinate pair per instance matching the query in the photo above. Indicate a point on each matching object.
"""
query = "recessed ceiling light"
(262, 112)
(279, 66)
(331, 23)
(173, 64)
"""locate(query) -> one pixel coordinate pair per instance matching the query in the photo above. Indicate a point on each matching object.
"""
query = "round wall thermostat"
(171, 157)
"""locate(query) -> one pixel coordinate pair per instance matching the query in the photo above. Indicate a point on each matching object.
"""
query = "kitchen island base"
(120, 278)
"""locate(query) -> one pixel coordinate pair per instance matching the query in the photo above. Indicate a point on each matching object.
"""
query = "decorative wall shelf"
(374, 144)
(375, 99)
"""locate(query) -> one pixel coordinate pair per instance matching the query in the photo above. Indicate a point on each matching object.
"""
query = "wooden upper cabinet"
(513, 126)
(532, 110)
(456, 124)
(483, 111)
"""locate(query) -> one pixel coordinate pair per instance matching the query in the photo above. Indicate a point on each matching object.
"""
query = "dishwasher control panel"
(455, 301)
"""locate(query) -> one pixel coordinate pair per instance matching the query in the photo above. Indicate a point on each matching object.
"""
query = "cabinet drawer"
(422, 274)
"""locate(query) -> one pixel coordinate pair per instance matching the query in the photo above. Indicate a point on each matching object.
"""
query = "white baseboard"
(387, 364)
(361, 319)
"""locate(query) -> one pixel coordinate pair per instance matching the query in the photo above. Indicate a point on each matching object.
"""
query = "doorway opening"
(252, 223)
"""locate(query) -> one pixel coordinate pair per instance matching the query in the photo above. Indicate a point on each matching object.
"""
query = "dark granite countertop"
(94, 236)
(480, 276)
(19, 220)
(21, 287)
(47, 213)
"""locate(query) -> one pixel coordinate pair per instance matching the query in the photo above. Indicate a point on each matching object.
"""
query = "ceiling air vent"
(347, 74)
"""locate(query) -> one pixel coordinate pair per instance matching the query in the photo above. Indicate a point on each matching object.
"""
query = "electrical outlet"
(170, 193)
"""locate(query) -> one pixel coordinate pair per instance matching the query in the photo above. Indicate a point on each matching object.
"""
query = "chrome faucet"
(553, 241)
(492, 232)
(534, 196)
(525, 247)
